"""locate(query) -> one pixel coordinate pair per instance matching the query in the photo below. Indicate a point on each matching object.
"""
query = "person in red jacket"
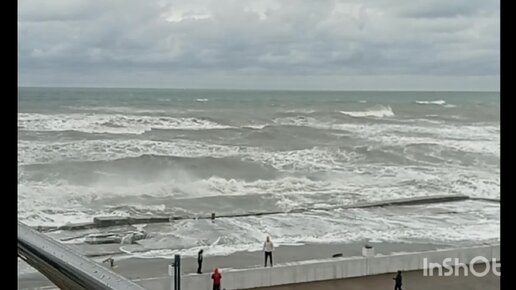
(216, 276)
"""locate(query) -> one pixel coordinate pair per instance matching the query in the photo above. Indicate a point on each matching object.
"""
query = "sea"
(86, 152)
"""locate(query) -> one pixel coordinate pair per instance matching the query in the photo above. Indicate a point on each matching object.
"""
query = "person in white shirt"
(268, 248)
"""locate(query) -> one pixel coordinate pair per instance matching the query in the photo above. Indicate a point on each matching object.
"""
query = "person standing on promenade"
(111, 262)
(199, 262)
(216, 276)
(268, 248)
(397, 281)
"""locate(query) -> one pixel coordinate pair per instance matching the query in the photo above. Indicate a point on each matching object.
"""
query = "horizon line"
(265, 89)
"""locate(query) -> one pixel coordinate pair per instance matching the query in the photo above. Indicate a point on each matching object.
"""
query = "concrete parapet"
(336, 268)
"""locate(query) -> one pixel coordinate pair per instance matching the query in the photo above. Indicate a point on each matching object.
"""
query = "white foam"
(486, 147)
(468, 138)
(255, 126)
(55, 204)
(302, 121)
(437, 102)
(363, 183)
(201, 100)
(416, 223)
(301, 111)
(478, 184)
(110, 123)
(313, 159)
(316, 158)
(378, 112)
(278, 187)
(95, 150)
(121, 109)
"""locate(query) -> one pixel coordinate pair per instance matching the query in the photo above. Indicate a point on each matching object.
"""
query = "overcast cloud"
(267, 44)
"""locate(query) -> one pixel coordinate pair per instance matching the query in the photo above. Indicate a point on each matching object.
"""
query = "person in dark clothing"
(216, 276)
(199, 262)
(111, 261)
(397, 281)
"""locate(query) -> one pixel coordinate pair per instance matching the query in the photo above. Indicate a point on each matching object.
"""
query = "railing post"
(177, 272)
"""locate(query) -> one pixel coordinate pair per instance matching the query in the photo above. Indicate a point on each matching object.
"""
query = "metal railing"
(64, 266)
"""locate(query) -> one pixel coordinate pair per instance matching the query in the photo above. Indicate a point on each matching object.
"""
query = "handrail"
(64, 266)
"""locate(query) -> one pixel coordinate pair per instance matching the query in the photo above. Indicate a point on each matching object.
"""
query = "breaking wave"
(378, 112)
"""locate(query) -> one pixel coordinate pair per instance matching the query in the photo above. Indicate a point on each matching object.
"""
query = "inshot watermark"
(453, 267)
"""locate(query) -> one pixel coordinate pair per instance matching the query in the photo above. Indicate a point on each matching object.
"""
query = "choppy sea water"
(90, 152)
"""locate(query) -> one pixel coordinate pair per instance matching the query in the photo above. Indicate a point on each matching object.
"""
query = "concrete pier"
(108, 221)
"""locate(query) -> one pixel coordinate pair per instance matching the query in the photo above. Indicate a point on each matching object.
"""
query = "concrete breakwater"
(108, 221)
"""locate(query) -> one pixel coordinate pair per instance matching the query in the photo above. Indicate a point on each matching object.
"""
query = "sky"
(266, 44)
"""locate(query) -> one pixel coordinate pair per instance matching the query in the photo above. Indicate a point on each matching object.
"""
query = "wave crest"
(112, 124)
(378, 112)
(436, 102)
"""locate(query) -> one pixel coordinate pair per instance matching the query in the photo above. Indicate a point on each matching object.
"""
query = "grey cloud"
(438, 9)
(142, 41)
